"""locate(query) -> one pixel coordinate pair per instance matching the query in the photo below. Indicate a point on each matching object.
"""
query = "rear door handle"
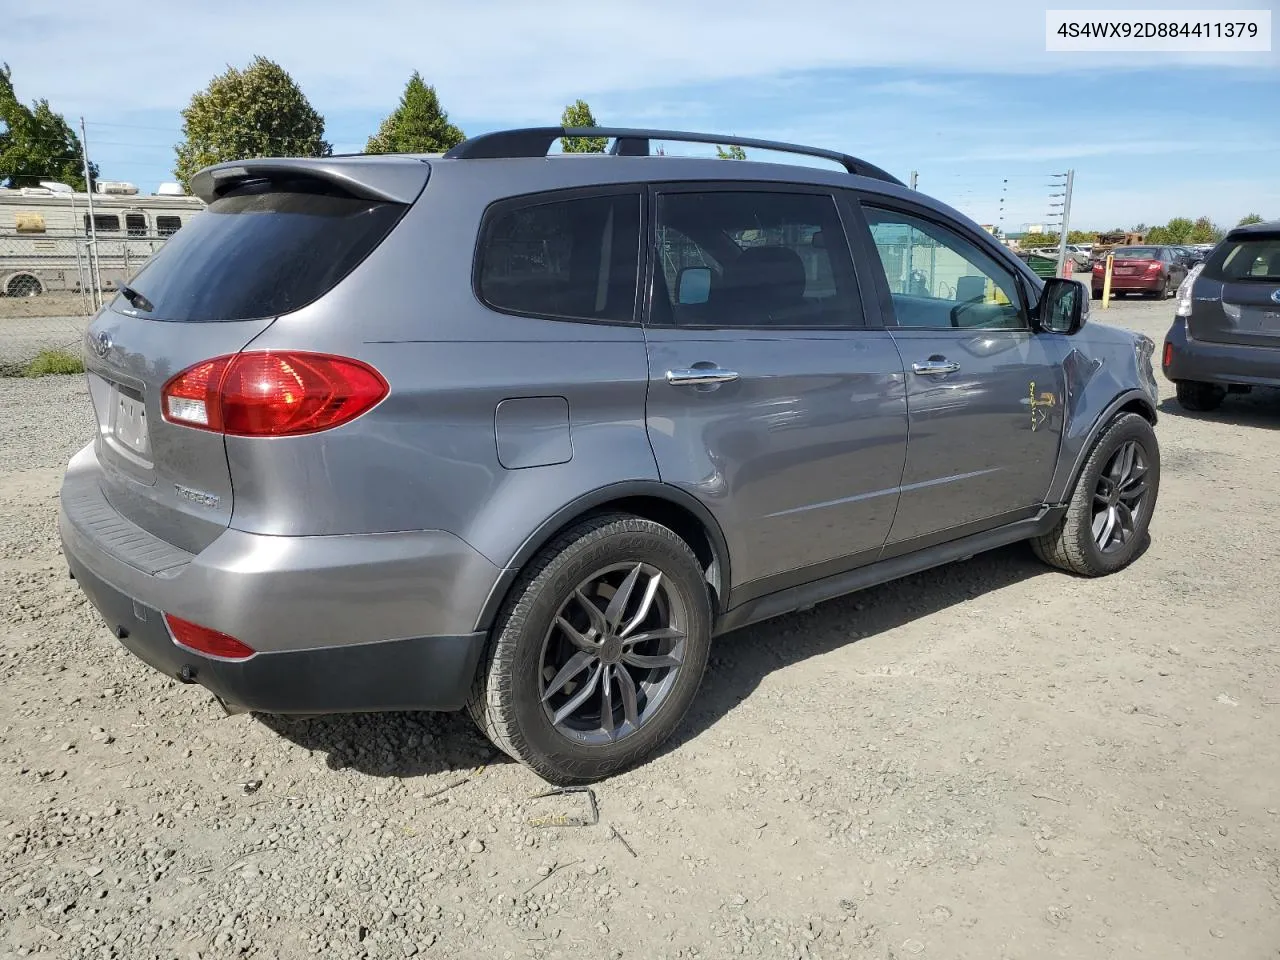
(698, 376)
(935, 368)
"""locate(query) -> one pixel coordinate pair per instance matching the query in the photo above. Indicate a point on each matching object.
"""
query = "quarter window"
(753, 259)
(570, 259)
(937, 278)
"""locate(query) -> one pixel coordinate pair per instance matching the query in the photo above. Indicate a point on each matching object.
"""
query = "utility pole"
(914, 177)
(95, 274)
(1066, 224)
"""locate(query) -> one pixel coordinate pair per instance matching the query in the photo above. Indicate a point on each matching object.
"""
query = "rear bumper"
(364, 622)
(1221, 363)
(1129, 284)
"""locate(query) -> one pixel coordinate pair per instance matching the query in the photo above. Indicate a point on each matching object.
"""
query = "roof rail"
(628, 142)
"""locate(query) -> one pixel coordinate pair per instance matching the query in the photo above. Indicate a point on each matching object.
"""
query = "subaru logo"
(102, 344)
(1275, 295)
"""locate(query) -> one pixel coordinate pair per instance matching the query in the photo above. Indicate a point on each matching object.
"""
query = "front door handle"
(699, 376)
(935, 367)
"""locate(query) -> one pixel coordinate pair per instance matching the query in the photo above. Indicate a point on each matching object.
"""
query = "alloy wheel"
(1120, 498)
(612, 653)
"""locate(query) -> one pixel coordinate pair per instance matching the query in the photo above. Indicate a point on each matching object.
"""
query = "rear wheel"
(599, 651)
(1110, 510)
(1199, 397)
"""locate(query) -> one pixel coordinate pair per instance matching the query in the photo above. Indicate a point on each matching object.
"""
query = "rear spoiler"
(390, 179)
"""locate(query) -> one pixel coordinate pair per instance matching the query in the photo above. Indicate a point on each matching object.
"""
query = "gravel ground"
(1008, 763)
(21, 338)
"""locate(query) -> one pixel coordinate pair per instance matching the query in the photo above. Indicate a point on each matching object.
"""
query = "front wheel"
(599, 651)
(1110, 510)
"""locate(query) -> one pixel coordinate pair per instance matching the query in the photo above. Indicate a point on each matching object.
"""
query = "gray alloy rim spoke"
(577, 663)
(646, 604)
(598, 622)
(613, 665)
(579, 698)
(579, 640)
(667, 659)
(627, 687)
(1134, 491)
(1103, 524)
(1124, 524)
(606, 702)
(662, 633)
(617, 608)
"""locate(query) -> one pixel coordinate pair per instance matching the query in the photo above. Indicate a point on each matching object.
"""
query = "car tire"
(1100, 533)
(545, 627)
(1199, 397)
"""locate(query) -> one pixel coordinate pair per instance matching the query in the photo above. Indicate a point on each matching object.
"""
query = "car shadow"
(742, 659)
(1260, 408)
(399, 745)
(407, 745)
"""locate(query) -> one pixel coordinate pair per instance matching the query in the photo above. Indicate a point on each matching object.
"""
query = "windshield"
(1248, 258)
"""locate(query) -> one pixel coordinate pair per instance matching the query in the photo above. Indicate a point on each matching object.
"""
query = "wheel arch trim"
(1135, 399)
(592, 502)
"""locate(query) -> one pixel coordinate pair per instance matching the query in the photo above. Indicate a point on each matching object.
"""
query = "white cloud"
(508, 59)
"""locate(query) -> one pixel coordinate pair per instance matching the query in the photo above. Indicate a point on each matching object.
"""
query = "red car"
(1155, 271)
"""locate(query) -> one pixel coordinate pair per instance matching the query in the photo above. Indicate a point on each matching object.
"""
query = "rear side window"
(573, 258)
(261, 250)
(1246, 258)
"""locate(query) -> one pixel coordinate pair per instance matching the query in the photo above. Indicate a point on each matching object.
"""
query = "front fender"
(1082, 432)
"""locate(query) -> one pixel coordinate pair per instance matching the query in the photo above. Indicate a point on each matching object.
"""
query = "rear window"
(261, 250)
(567, 259)
(1136, 253)
(1248, 258)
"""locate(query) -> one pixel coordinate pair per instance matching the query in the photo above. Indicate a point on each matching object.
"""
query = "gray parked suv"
(1226, 334)
(520, 433)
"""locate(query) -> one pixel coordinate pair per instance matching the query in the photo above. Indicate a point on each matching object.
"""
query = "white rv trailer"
(45, 234)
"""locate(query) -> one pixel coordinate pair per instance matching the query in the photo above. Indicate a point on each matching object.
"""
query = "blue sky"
(965, 94)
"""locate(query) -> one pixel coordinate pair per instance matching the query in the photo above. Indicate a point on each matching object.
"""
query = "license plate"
(130, 428)
(1122, 271)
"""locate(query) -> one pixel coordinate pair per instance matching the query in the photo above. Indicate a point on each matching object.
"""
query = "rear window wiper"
(135, 298)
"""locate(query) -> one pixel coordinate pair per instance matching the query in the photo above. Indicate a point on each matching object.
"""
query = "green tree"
(733, 153)
(1158, 235)
(578, 114)
(36, 143)
(418, 125)
(1204, 231)
(1178, 230)
(255, 112)
(1249, 218)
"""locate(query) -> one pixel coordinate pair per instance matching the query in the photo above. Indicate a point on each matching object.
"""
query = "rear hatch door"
(275, 237)
(1236, 298)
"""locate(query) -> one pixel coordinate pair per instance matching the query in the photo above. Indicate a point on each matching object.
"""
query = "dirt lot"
(1008, 763)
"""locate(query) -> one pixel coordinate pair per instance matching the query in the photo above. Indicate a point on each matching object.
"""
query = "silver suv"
(521, 433)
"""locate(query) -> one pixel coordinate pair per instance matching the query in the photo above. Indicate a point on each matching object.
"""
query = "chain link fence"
(48, 284)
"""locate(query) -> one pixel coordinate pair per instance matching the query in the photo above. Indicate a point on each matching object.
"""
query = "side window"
(570, 259)
(753, 259)
(937, 278)
(103, 223)
(168, 226)
(135, 224)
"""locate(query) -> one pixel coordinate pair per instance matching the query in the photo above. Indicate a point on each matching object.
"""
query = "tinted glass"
(758, 259)
(1136, 253)
(574, 259)
(262, 250)
(937, 278)
(1256, 258)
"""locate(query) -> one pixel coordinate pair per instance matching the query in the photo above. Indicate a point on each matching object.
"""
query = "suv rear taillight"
(271, 393)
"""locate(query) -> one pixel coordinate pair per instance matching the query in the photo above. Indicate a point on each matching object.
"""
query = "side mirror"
(693, 285)
(1062, 306)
